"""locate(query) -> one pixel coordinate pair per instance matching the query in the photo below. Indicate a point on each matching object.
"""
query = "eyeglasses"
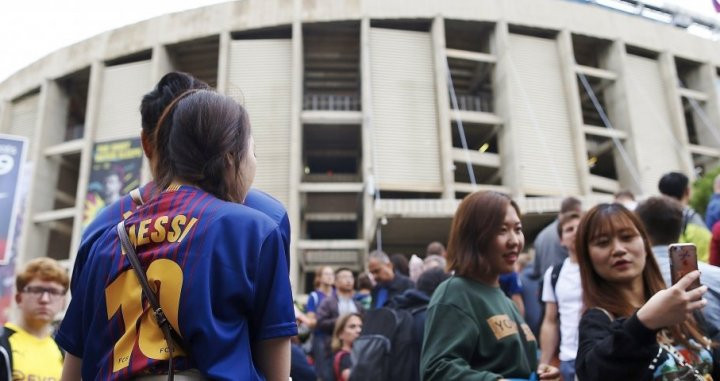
(38, 292)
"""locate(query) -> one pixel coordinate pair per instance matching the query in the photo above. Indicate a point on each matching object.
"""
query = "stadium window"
(74, 89)
(197, 57)
(469, 36)
(332, 153)
(331, 77)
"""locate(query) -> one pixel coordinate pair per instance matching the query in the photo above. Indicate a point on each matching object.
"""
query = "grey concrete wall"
(252, 14)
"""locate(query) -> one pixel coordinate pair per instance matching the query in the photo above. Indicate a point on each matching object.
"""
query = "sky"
(32, 29)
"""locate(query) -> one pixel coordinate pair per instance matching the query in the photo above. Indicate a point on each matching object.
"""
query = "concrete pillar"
(437, 32)
(677, 116)
(34, 238)
(369, 219)
(501, 88)
(707, 82)
(160, 63)
(223, 62)
(5, 109)
(618, 110)
(53, 115)
(567, 63)
(52, 119)
(91, 116)
(296, 94)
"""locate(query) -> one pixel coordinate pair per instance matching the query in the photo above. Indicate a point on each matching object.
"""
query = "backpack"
(554, 275)
(383, 350)
(5, 354)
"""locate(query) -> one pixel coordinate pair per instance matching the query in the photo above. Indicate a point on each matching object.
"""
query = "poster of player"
(114, 173)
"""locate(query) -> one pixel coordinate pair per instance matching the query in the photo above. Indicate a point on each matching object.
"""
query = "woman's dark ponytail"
(201, 138)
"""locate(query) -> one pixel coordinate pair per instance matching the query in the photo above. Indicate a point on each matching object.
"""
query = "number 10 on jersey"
(125, 294)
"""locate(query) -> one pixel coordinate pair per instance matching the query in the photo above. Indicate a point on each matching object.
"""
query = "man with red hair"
(27, 351)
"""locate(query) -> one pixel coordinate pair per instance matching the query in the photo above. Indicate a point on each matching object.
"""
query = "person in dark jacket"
(340, 303)
(634, 328)
(415, 301)
(390, 283)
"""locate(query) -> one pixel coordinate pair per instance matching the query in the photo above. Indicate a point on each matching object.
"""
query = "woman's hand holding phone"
(673, 305)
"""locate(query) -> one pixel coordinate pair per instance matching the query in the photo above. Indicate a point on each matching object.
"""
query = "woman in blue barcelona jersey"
(219, 267)
(153, 103)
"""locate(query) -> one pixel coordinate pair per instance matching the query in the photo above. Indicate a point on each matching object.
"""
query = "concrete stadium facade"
(357, 132)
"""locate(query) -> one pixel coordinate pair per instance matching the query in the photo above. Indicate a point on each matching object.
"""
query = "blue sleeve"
(70, 335)
(268, 205)
(712, 215)
(273, 313)
(516, 283)
(510, 283)
(311, 305)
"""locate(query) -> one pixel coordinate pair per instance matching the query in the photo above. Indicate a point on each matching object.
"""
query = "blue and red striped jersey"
(221, 273)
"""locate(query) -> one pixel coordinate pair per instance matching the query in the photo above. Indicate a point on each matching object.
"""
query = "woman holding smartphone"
(473, 331)
(634, 328)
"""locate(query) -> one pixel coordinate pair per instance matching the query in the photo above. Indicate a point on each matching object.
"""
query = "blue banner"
(12, 159)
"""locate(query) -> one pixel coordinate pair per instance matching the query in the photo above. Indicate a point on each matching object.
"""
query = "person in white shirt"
(562, 294)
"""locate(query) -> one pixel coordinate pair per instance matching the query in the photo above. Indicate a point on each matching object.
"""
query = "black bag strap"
(171, 336)
(6, 359)
(555, 276)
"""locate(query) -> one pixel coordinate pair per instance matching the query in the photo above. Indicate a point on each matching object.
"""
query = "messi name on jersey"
(166, 229)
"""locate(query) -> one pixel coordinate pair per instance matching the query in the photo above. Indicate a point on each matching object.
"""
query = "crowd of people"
(594, 299)
(602, 295)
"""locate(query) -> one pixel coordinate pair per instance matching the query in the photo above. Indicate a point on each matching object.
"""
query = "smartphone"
(683, 260)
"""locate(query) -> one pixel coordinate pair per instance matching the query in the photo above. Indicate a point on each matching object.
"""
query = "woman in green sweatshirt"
(473, 331)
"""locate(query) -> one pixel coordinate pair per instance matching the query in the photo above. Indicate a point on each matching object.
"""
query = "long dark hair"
(476, 223)
(201, 138)
(597, 292)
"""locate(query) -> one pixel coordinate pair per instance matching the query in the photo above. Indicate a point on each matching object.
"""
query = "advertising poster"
(13, 192)
(12, 158)
(115, 171)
